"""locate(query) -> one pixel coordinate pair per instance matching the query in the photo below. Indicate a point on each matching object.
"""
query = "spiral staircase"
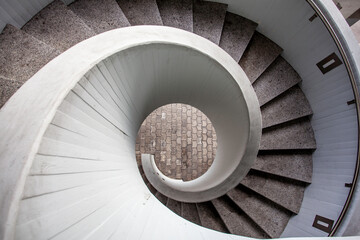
(72, 190)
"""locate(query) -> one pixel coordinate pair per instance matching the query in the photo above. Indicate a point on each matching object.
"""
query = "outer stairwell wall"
(306, 43)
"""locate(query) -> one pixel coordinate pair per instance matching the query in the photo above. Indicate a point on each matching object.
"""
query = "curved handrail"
(339, 30)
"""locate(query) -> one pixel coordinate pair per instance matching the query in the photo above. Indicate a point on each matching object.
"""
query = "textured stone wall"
(182, 139)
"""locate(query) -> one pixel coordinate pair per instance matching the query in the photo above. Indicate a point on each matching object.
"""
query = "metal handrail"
(339, 40)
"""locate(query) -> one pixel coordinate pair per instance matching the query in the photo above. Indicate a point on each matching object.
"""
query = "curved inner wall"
(157, 74)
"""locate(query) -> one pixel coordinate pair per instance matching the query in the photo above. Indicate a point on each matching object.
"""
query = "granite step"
(58, 26)
(209, 217)
(293, 166)
(236, 221)
(177, 14)
(141, 12)
(21, 56)
(146, 181)
(276, 79)
(292, 135)
(174, 206)
(151, 188)
(7, 88)
(258, 56)
(236, 35)
(100, 15)
(288, 106)
(209, 19)
(162, 198)
(284, 192)
(270, 217)
(190, 213)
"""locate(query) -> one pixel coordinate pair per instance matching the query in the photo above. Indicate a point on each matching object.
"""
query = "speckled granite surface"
(178, 14)
(174, 206)
(58, 26)
(293, 135)
(162, 198)
(236, 221)
(189, 212)
(209, 218)
(276, 190)
(141, 12)
(7, 89)
(258, 56)
(236, 35)
(266, 214)
(293, 166)
(209, 19)
(22, 55)
(276, 79)
(100, 15)
(288, 106)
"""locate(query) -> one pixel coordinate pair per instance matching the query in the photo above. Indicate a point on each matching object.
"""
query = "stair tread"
(236, 221)
(22, 55)
(162, 198)
(141, 12)
(236, 35)
(290, 105)
(209, 19)
(293, 166)
(151, 188)
(58, 26)
(292, 135)
(7, 89)
(276, 79)
(267, 215)
(190, 213)
(100, 15)
(284, 192)
(178, 14)
(174, 206)
(209, 218)
(260, 53)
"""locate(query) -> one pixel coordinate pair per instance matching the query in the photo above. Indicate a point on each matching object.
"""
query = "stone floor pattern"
(182, 139)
